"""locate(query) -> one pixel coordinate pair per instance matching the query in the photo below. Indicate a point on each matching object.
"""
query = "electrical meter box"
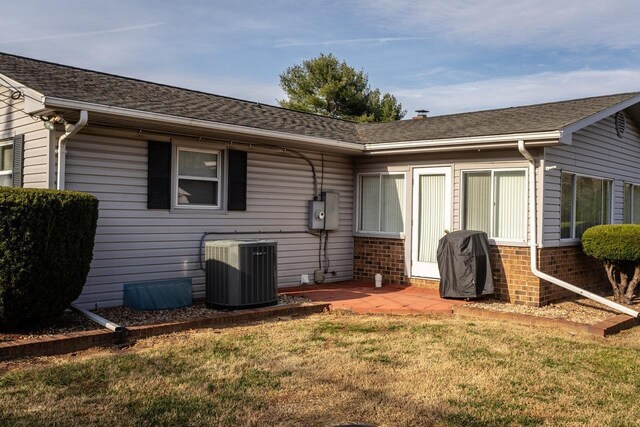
(323, 213)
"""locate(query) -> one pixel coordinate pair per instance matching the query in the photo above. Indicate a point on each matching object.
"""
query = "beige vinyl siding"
(36, 140)
(596, 151)
(136, 244)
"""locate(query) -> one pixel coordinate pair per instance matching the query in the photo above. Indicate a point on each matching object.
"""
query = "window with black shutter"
(198, 180)
(11, 152)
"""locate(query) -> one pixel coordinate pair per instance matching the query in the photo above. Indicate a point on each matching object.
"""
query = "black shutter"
(159, 175)
(18, 155)
(237, 181)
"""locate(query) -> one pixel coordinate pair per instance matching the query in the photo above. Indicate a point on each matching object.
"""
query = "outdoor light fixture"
(50, 122)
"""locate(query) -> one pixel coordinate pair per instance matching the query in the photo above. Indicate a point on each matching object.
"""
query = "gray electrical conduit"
(534, 245)
(233, 233)
(303, 157)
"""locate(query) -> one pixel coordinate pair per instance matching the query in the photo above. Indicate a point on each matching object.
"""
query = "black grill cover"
(464, 264)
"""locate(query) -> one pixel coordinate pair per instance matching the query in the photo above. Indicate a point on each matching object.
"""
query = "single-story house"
(170, 164)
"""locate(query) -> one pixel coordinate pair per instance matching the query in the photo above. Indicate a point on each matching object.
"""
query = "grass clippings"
(331, 369)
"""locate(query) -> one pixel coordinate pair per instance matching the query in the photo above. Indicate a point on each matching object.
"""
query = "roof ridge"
(135, 79)
(513, 108)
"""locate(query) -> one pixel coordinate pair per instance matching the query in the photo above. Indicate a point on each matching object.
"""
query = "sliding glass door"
(431, 217)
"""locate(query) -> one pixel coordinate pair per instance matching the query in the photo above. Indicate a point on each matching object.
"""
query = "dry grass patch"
(327, 369)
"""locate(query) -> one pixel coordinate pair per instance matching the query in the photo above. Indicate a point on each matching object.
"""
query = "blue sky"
(446, 56)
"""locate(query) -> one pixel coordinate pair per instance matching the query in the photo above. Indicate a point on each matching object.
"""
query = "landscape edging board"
(604, 328)
(83, 340)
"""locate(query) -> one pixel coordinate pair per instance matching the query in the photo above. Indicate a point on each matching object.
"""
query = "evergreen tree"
(326, 86)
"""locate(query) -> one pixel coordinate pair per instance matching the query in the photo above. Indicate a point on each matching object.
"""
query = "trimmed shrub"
(617, 242)
(46, 247)
(618, 248)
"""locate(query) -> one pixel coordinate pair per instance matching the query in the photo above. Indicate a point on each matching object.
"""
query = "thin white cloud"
(539, 23)
(518, 90)
(83, 33)
(346, 42)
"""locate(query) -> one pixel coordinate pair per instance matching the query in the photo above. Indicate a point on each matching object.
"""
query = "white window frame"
(7, 172)
(177, 177)
(463, 219)
(361, 232)
(624, 200)
(574, 188)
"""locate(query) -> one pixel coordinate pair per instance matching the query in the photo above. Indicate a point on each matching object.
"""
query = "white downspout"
(70, 130)
(533, 245)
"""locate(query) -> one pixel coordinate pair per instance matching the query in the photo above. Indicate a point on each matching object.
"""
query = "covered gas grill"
(464, 265)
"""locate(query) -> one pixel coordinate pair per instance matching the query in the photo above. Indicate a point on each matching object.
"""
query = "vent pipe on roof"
(70, 130)
(420, 114)
(534, 245)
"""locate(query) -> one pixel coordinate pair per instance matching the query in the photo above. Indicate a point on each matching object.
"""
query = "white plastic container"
(378, 280)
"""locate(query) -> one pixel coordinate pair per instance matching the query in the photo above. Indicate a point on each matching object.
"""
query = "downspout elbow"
(525, 153)
(70, 130)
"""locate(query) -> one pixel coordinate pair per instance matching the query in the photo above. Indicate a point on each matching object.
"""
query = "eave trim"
(52, 102)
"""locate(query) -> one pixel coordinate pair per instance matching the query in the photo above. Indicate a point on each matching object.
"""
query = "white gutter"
(513, 138)
(534, 245)
(444, 149)
(70, 130)
(50, 102)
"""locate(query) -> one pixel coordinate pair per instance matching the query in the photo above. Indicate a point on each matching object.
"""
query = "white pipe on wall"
(533, 245)
(70, 130)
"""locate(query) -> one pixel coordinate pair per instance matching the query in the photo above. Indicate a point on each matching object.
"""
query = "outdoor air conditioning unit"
(241, 273)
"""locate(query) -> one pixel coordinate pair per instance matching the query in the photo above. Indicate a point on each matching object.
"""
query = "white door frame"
(423, 269)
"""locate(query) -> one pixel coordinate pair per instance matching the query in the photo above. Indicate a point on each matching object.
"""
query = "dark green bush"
(46, 246)
(619, 242)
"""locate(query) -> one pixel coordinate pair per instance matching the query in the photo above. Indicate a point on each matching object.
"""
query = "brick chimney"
(420, 115)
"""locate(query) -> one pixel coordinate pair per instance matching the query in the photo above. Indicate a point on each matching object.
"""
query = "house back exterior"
(169, 165)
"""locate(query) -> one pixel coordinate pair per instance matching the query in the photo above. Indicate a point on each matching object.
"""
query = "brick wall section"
(571, 265)
(513, 278)
(385, 256)
(373, 255)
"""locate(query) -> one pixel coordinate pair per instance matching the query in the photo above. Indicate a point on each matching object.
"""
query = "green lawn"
(327, 369)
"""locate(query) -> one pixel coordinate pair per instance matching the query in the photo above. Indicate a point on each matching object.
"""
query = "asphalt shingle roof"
(532, 118)
(77, 84)
(60, 81)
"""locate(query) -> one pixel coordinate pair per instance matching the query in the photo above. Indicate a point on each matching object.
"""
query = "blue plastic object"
(158, 294)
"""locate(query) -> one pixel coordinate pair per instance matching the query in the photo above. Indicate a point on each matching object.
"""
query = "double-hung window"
(381, 204)
(6, 163)
(198, 178)
(631, 204)
(495, 201)
(584, 202)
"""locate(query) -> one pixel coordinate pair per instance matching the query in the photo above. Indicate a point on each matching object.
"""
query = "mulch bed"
(71, 322)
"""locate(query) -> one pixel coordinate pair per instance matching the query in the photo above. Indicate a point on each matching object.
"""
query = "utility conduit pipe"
(533, 245)
(70, 130)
